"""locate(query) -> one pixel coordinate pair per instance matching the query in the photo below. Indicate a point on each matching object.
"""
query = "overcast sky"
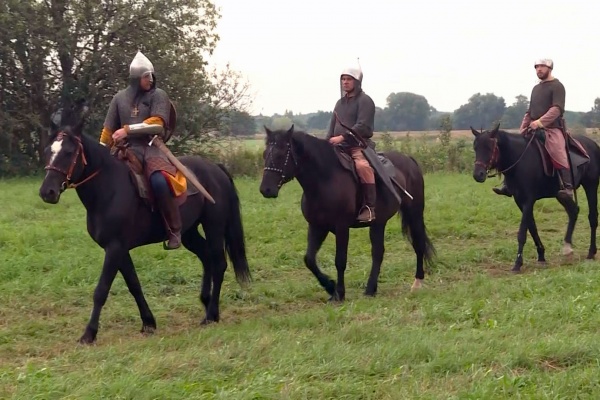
(292, 51)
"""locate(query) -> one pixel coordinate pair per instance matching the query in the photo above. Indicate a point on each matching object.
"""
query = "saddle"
(347, 162)
(138, 178)
(578, 157)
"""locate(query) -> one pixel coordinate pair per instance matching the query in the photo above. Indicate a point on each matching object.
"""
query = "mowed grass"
(474, 331)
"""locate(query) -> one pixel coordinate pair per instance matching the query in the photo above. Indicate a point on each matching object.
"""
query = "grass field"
(475, 331)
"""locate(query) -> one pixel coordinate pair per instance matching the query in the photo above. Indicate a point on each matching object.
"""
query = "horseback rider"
(135, 115)
(546, 108)
(357, 110)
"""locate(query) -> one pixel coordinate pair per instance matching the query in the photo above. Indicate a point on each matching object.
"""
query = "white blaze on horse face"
(55, 149)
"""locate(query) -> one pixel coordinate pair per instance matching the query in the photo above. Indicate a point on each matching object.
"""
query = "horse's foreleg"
(135, 288)
(591, 192)
(113, 256)
(376, 233)
(316, 237)
(526, 221)
(572, 210)
(342, 236)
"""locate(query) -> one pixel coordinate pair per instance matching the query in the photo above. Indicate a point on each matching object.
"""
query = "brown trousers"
(363, 168)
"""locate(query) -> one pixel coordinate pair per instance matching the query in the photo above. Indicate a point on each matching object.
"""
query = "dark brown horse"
(520, 161)
(118, 220)
(331, 200)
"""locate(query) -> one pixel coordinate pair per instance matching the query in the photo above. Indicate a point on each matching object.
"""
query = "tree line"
(412, 112)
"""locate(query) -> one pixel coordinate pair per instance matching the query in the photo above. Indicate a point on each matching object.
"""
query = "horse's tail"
(413, 219)
(235, 244)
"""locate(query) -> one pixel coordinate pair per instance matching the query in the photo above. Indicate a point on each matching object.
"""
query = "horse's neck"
(510, 149)
(313, 169)
(93, 192)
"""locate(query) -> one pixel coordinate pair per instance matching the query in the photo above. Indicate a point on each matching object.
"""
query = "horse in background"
(520, 161)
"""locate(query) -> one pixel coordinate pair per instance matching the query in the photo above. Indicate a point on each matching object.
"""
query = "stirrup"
(370, 214)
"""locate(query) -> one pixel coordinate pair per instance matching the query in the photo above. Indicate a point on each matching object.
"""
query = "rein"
(494, 159)
(67, 184)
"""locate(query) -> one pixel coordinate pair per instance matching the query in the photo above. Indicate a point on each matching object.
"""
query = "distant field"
(256, 141)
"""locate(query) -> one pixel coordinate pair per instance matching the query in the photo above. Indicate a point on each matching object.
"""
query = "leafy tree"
(513, 116)
(53, 51)
(406, 111)
(591, 119)
(480, 111)
(320, 120)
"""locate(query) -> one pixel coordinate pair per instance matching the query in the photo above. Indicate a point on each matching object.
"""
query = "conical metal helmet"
(140, 66)
(356, 73)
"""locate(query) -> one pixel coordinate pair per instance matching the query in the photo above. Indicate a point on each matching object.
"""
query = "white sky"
(292, 51)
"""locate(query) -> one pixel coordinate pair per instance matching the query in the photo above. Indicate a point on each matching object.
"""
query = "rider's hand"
(535, 125)
(336, 139)
(119, 134)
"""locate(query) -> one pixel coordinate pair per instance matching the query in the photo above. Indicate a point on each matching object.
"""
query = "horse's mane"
(320, 152)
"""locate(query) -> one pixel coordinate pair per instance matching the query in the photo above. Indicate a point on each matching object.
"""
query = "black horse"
(520, 161)
(331, 200)
(118, 219)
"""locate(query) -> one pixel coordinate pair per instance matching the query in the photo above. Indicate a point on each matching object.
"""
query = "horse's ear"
(82, 112)
(267, 130)
(495, 131)
(475, 133)
(291, 130)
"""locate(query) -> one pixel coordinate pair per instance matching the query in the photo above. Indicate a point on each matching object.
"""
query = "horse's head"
(280, 164)
(64, 156)
(486, 152)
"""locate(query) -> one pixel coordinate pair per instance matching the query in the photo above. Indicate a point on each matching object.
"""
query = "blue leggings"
(159, 184)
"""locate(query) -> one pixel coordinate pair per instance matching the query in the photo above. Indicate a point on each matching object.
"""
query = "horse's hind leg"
(376, 233)
(135, 288)
(194, 242)
(316, 237)
(572, 210)
(591, 192)
(215, 244)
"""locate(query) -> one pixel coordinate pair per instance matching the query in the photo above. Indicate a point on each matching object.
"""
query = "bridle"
(271, 167)
(496, 154)
(67, 184)
(493, 159)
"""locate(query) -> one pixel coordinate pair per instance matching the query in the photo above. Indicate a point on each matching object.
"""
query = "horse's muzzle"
(479, 174)
(269, 192)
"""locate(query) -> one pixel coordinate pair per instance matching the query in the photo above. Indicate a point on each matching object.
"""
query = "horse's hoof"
(88, 337)
(516, 270)
(148, 330)
(417, 285)
(567, 249)
(207, 321)
(86, 340)
(370, 293)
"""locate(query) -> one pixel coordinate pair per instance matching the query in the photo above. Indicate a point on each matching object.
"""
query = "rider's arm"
(365, 118)
(106, 137)
(549, 117)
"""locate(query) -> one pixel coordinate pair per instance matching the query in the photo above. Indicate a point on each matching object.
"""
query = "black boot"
(172, 218)
(502, 190)
(367, 213)
(567, 185)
